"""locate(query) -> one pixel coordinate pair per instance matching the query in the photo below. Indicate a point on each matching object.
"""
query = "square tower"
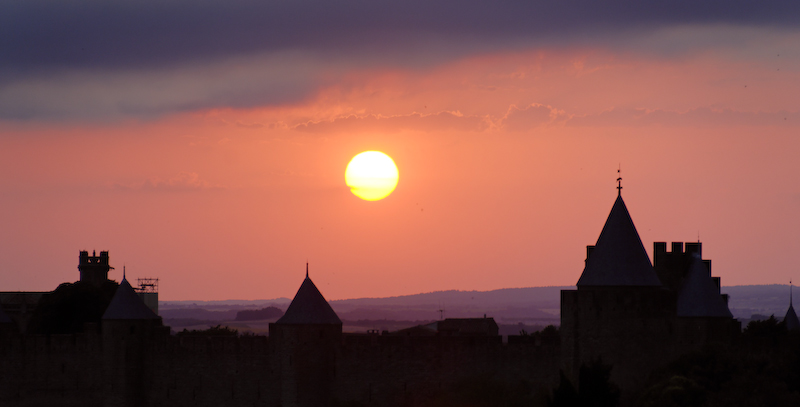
(94, 269)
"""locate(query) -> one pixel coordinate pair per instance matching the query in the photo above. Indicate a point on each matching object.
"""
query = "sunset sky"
(204, 142)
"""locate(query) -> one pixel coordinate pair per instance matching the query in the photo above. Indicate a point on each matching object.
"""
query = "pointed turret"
(699, 295)
(305, 340)
(126, 304)
(618, 258)
(309, 307)
(791, 320)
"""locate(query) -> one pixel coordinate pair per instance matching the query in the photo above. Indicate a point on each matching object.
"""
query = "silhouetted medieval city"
(632, 333)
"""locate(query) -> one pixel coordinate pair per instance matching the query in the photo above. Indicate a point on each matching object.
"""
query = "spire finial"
(306, 269)
(790, 292)
(619, 180)
(123, 271)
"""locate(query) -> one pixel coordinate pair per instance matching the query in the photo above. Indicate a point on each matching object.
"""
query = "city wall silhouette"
(157, 369)
(631, 314)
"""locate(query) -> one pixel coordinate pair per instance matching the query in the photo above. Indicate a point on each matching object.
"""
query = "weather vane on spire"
(619, 181)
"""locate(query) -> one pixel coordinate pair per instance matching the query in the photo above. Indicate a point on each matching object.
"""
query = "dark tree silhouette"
(595, 388)
(212, 331)
(484, 392)
(565, 394)
(768, 328)
(762, 369)
(260, 314)
(67, 309)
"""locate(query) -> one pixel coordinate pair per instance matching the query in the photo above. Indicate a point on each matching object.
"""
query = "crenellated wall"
(402, 370)
(148, 367)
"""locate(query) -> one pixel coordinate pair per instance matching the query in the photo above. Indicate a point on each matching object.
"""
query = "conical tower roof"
(126, 304)
(619, 258)
(791, 320)
(699, 295)
(309, 307)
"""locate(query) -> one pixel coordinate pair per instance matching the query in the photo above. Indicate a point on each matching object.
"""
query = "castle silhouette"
(632, 314)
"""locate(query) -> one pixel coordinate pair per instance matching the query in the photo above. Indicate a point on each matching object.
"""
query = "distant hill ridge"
(506, 303)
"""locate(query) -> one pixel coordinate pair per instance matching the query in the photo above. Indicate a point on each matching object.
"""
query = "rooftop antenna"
(441, 312)
(619, 180)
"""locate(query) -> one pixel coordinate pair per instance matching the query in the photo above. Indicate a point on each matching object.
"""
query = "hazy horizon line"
(438, 291)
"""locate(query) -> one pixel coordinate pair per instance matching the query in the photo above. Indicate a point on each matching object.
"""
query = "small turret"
(127, 305)
(305, 340)
(791, 320)
(94, 269)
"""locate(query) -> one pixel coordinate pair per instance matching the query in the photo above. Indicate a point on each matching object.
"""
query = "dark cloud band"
(43, 34)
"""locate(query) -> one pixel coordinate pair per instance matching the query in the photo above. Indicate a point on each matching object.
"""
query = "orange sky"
(507, 164)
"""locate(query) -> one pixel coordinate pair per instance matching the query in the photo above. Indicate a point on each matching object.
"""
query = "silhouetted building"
(129, 328)
(19, 306)
(305, 341)
(633, 315)
(453, 327)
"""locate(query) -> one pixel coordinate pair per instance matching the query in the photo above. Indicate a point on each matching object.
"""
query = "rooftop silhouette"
(618, 258)
(309, 307)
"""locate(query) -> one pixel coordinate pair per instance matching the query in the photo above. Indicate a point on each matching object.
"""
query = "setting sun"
(371, 175)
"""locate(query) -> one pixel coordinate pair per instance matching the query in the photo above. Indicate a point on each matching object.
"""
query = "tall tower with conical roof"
(791, 320)
(620, 311)
(129, 329)
(635, 316)
(305, 341)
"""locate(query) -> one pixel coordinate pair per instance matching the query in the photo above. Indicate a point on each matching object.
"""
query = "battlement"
(85, 259)
(94, 269)
(672, 266)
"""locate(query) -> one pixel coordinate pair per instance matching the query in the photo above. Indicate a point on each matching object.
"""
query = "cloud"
(38, 34)
(436, 122)
(240, 82)
(529, 117)
(101, 60)
(184, 181)
(697, 117)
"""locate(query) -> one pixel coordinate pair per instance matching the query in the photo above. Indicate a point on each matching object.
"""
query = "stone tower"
(620, 312)
(305, 342)
(637, 317)
(129, 329)
(94, 269)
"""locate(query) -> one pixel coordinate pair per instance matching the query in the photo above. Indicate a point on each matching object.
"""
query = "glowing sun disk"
(371, 175)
